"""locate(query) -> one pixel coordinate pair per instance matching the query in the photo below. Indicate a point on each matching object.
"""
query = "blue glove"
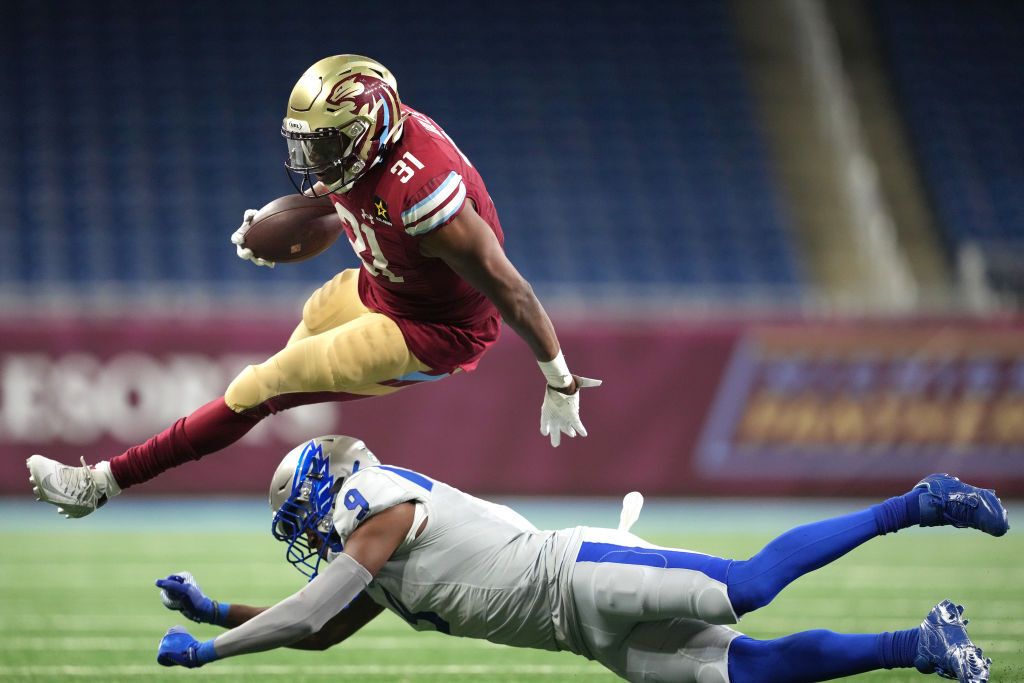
(181, 592)
(178, 647)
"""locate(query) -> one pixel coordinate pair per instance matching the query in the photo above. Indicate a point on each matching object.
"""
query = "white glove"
(560, 413)
(238, 239)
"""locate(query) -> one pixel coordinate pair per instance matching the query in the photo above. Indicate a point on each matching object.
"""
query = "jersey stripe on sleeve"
(437, 208)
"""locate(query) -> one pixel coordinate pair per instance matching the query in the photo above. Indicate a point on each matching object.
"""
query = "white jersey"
(478, 570)
(481, 570)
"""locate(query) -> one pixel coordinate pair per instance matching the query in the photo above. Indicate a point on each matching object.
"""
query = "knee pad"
(714, 606)
(713, 673)
(244, 391)
(314, 314)
(646, 593)
(618, 589)
(336, 302)
(678, 650)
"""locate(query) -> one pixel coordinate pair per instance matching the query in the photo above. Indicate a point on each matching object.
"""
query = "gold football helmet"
(342, 115)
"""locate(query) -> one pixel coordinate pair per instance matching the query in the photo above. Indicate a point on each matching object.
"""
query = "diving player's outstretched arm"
(468, 246)
(187, 598)
(348, 621)
(311, 610)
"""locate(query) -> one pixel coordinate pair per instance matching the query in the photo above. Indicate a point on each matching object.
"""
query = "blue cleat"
(945, 500)
(945, 649)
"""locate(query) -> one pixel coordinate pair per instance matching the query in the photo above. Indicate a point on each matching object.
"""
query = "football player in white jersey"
(374, 537)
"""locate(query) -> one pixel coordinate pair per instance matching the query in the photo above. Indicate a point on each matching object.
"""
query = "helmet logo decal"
(312, 456)
(347, 89)
(352, 90)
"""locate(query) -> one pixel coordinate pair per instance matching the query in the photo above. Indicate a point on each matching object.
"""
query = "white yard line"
(93, 623)
(348, 670)
(143, 644)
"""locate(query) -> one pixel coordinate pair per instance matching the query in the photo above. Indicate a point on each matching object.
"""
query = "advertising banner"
(687, 408)
(845, 403)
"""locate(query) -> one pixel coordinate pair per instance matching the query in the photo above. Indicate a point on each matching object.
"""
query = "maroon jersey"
(420, 186)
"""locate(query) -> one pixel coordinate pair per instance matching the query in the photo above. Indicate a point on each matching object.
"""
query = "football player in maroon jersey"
(428, 301)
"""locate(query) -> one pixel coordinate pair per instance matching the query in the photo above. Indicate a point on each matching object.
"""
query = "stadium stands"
(138, 132)
(956, 67)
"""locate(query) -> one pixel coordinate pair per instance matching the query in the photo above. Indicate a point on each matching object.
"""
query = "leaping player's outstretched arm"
(304, 616)
(468, 245)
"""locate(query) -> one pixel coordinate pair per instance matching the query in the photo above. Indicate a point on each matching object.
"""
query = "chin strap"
(396, 133)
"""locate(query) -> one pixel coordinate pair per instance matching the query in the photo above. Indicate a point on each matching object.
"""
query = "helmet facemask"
(304, 520)
(342, 115)
(328, 155)
(302, 497)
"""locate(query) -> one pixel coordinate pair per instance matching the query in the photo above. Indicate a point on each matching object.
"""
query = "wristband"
(220, 612)
(556, 371)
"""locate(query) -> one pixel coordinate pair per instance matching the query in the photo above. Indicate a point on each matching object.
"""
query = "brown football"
(293, 228)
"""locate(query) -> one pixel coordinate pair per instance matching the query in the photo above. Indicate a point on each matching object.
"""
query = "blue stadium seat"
(625, 154)
(956, 67)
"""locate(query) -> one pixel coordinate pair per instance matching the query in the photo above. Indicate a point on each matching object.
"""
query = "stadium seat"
(628, 155)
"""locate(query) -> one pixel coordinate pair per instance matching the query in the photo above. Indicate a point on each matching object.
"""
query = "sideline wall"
(704, 408)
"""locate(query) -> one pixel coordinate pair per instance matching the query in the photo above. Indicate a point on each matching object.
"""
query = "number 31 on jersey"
(365, 239)
(403, 170)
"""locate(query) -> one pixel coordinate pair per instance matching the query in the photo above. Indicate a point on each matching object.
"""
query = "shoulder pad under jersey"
(374, 490)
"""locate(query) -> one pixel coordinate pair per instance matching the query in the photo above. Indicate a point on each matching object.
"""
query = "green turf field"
(78, 603)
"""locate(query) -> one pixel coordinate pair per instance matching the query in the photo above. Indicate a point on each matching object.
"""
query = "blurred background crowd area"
(789, 234)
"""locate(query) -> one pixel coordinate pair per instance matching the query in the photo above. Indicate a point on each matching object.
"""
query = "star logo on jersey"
(382, 210)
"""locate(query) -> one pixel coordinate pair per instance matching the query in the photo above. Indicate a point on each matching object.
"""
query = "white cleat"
(72, 489)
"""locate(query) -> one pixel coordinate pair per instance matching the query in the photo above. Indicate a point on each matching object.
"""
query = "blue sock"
(898, 513)
(755, 582)
(897, 649)
(818, 656)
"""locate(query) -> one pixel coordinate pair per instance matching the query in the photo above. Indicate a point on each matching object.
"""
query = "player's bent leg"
(335, 303)
(819, 655)
(300, 332)
(755, 582)
(329, 364)
(209, 428)
(355, 357)
(940, 645)
(938, 499)
(78, 491)
(619, 577)
(339, 364)
(215, 426)
(676, 650)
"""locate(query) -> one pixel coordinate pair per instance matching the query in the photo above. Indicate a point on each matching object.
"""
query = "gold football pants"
(340, 345)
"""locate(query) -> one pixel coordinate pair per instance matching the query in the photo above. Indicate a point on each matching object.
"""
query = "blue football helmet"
(302, 494)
